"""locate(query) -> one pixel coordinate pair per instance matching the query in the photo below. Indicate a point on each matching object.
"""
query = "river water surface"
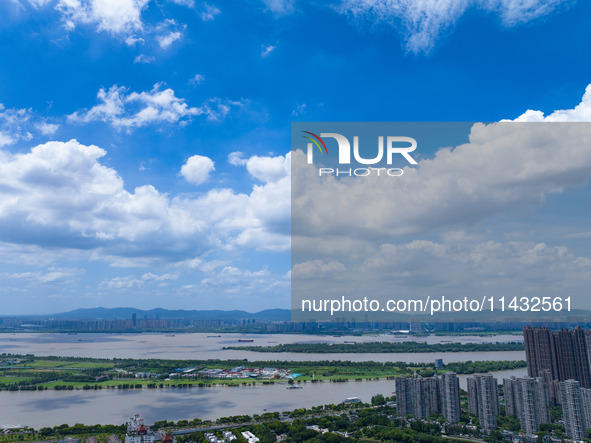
(50, 408)
(201, 346)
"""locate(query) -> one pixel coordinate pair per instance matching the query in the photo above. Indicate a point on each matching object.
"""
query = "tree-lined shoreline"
(382, 347)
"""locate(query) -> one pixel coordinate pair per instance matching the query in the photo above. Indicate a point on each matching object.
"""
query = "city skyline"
(144, 151)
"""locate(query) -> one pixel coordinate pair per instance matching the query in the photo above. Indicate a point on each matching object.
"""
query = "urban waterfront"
(50, 408)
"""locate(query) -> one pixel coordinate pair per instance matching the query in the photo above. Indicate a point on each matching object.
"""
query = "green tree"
(378, 400)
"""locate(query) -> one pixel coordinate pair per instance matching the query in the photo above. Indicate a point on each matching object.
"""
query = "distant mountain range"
(577, 316)
(126, 313)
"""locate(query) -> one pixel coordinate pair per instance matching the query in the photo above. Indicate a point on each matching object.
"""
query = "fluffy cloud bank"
(268, 169)
(60, 195)
(504, 167)
(351, 235)
(455, 265)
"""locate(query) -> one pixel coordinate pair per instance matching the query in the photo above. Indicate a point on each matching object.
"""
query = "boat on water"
(295, 387)
(245, 340)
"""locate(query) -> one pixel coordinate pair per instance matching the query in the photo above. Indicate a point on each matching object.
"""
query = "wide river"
(50, 408)
(210, 346)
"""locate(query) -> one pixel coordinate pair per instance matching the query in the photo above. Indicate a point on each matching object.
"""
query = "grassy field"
(54, 364)
(14, 379)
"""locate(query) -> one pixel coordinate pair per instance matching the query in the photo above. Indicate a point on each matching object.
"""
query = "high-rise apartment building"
(586, 398)
(419, 397)
(540, 351)
(572, 409)
(450, 385)
(483, 399)
(527, 399)
(509, 388)
(422, 397)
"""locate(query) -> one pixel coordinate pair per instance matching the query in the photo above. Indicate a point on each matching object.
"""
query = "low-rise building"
(138, 432)
(250, 437)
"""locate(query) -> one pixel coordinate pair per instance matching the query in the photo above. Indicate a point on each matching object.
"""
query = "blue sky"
(143, 142)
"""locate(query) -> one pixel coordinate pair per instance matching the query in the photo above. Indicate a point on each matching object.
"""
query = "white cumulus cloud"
(119, 18)
(580, 113)
(197, 169)
(128, 110)
(114, 16)
(59, 195)
(269, 169)
(505, 166)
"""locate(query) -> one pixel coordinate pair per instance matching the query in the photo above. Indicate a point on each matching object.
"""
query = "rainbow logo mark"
(315, 142)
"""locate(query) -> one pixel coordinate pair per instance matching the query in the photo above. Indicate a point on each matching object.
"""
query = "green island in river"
(382, 347)
(28, 372)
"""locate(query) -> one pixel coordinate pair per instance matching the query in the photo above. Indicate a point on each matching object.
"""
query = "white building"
(137, 432)
(250, 437)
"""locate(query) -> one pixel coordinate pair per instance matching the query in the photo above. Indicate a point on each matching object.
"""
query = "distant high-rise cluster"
(423, 397)
(559, 369)
(559, 374)
(525, 398)
(560, 356)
